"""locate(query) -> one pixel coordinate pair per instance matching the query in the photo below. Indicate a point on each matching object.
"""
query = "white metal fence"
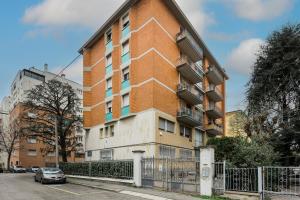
(281, 182)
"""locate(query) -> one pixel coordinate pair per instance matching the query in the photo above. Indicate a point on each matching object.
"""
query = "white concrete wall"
(134, 133)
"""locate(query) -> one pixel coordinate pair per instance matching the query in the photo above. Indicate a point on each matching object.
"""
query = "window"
(186, 154)
(79, 139)
(125, 73)
(31, 140)
(166, 151)
(106, 132)
(101, 133)
(125, 21)
(106, 154)
(108, 36)
(31, 152)
(166, 125)
(108, 60)
(185, 131)
(109, 107)
(112, 131)
(125, 100)
(89, 153)
(51, 154)
(108, 84)
(125, 47)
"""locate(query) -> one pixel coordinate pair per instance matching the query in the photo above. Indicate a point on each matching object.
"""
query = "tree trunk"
(8, 160)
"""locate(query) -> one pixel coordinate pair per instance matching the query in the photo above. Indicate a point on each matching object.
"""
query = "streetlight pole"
(56, 145)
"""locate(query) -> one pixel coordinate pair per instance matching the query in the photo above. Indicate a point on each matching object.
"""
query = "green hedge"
(110, 169)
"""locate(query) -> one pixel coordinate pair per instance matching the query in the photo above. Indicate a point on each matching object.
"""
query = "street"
(23, 187)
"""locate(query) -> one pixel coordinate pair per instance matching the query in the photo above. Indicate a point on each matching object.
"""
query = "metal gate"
(180, 175)
(281, 183)
(219, 178)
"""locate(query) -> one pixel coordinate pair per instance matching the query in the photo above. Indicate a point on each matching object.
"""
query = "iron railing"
(242, 179)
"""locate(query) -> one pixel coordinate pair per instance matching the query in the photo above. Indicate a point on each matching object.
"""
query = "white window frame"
(106, 33)
(123, 47)
(108, 83)
(109, 107)
(31, 154)
(107, 157)
(125, 71)
(125, 16)
(108, 59)
(123, 103)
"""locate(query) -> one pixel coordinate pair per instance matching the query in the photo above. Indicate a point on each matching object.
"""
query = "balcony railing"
(108, 92)
(189, 117)
(190, 94)
(125, 111)
(108, 116)
(214, 129)
(125, 32)
(109, 47)
(189, 46)
(189, 70)
(214, 112)
(108, 69)
(214, 94)
(214, 75)
(125, 84)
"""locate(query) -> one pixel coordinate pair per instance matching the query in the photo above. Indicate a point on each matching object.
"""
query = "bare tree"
(9, 139)
(49, 103)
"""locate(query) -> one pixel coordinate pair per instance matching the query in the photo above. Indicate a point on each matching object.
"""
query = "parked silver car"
(49, 175)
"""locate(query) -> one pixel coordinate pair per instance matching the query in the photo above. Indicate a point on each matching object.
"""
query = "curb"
(95, 187)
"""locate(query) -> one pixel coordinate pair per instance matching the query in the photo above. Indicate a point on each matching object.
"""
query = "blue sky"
(34, 32)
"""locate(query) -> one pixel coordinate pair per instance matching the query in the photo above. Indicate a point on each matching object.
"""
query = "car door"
(38, 175)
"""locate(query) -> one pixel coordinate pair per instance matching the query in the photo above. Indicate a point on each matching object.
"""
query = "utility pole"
(56, 144)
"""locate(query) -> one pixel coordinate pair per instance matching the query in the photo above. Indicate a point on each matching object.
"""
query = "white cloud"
(194, 10)
(87, 13)
(256, 10)
(74, 72)
(242, 58)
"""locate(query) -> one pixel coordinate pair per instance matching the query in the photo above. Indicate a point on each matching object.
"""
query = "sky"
(34, 32)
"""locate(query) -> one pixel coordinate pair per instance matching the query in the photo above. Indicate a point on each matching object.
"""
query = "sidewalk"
(141, 192)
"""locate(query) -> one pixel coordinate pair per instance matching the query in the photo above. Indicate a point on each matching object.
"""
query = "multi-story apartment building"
(4, 127)
(28, 151)
(150, 83)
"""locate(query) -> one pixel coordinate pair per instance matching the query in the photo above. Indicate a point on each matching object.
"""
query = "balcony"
(125, 84)
(125, 32)
(189, 117)
(108, 69)
(108, 117)
(214, 76)
(125, 111)
(125, 58)
(189, 94)
(214, 94)
(108, 47)
(108, 92)
(189, 46)
(214, 112)
(189, 70)
(214, 129)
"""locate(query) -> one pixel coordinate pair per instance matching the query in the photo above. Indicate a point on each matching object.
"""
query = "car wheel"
(42, 181)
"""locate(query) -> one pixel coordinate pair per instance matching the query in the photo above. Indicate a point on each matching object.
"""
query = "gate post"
(207, 159)
(260, 182)
(137, 167)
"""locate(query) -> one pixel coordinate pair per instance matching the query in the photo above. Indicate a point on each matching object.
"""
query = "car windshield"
(35, 167)
(19, 166)
(51, 170)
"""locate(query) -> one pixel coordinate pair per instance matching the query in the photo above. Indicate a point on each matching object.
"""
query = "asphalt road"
(23, 187)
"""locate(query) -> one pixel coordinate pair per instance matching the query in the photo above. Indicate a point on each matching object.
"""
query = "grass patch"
(212, 197)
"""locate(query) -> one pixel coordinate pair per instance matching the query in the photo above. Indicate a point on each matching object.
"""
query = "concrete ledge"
(102, 179)
(241, 195)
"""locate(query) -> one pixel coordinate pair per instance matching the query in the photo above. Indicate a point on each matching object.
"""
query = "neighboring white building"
(26, 79)
(4, 127)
